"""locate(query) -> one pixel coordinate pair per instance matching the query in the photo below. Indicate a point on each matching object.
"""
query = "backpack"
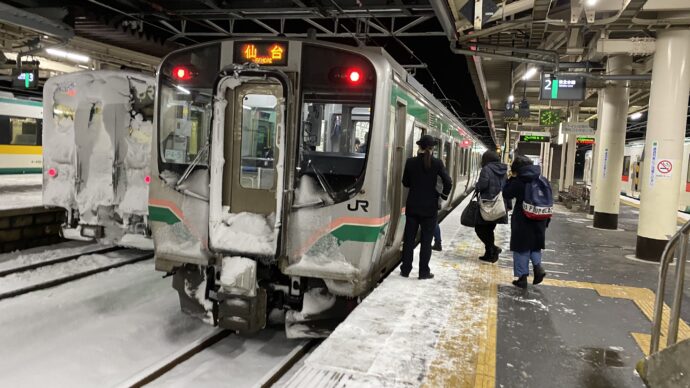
(538, 202)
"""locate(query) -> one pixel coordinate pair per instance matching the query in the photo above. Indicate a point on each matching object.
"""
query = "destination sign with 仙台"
(261, 52)
(562, 88)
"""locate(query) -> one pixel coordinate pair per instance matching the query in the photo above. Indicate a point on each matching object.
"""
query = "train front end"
(261, 150)
(96, 148)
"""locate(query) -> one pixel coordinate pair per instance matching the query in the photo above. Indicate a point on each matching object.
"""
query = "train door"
(398, 160)
(247, 165)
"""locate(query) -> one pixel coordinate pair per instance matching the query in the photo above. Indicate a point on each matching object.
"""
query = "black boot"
(539, 274)
(437, 246)
(488, 255)
(427, 276)
(495, 254)
(521, 282)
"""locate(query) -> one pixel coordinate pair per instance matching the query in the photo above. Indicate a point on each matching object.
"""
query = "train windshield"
(185, 106)
(336, 116)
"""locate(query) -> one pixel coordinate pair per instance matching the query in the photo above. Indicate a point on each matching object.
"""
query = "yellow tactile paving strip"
(467, 358)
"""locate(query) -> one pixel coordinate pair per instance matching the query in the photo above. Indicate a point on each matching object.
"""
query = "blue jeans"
(521, 262)
(437, 234)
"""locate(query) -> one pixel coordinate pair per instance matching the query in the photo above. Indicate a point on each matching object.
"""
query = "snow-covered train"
(20, 135)
(633, 166)
(276, 181)
(97, 128)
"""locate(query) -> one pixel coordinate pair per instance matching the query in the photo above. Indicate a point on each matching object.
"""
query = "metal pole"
(659, 300)
(678, 292)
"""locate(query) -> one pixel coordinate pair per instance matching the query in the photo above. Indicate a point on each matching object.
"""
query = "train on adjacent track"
(634, 167)
(97, 144)
(20, 135)
(276, 176)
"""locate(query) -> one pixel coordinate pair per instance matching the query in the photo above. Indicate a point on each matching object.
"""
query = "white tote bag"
(492, 209)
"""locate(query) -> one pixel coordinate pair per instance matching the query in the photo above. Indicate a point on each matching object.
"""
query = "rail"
(670, 250)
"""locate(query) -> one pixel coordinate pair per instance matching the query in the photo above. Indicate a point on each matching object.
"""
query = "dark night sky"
(450, 70)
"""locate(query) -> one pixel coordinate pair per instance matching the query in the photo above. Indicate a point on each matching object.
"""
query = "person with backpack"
(492, 177)
(531, 216)
(421, 208)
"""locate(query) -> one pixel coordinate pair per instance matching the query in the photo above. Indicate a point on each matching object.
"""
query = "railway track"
(157, 371)
(68, 278)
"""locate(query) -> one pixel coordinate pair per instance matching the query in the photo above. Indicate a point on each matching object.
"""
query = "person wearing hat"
(420, 176)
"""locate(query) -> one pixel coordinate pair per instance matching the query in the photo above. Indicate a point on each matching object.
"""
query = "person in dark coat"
(527, 237)
(420, 176)
(490, 183)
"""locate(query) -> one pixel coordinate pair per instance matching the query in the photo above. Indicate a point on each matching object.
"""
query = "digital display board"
(24, 78)
(261, 52)
(585, 140)
(562, 88)
(535, 137)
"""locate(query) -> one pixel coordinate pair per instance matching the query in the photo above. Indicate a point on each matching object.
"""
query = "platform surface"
(20, 191)
(585, 326)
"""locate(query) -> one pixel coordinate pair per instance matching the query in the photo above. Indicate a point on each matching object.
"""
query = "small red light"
(354, 76)
(147, 179)
(52, 172)
(181, 73)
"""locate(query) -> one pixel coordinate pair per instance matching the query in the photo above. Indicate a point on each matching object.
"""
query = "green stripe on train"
(19, 170)
(20, 102)
(361, 233)
(163, 214)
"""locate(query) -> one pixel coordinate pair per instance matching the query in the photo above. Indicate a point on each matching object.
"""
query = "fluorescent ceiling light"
(529, 73)
(635, 116)
(591, 3)
(83, 67)
(511, 98)
(67, 55)
(183, 90)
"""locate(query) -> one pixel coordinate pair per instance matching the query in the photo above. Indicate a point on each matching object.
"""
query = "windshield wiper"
(322, 180)
(191, 166)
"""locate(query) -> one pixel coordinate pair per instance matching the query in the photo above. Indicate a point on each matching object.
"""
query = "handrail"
(666, 258)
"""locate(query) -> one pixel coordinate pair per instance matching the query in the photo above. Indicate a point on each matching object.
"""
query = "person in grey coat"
(490, 183)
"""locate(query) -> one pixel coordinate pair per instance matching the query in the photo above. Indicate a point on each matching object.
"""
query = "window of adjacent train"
(336, 117)
(185, 107)
(258, 140)
(20, 130)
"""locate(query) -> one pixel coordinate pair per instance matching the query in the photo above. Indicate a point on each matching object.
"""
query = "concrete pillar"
(595, 151)
(572, 150)
(612, 145)
(561, 173)
(662, 166)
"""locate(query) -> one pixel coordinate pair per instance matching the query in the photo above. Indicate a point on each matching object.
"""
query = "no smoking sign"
(664, 167)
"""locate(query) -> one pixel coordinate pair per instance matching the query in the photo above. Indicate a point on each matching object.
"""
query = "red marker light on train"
(181, 73)
(52, 172)
(354, 76)
(147, 179)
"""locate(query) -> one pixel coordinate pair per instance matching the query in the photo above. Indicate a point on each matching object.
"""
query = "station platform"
(21, 191)
(586, 325)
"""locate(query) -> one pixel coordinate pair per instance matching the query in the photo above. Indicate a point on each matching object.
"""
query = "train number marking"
(358, 204)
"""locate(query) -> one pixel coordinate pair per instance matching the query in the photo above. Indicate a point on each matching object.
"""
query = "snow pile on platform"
(392, 338)
(246, 233)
